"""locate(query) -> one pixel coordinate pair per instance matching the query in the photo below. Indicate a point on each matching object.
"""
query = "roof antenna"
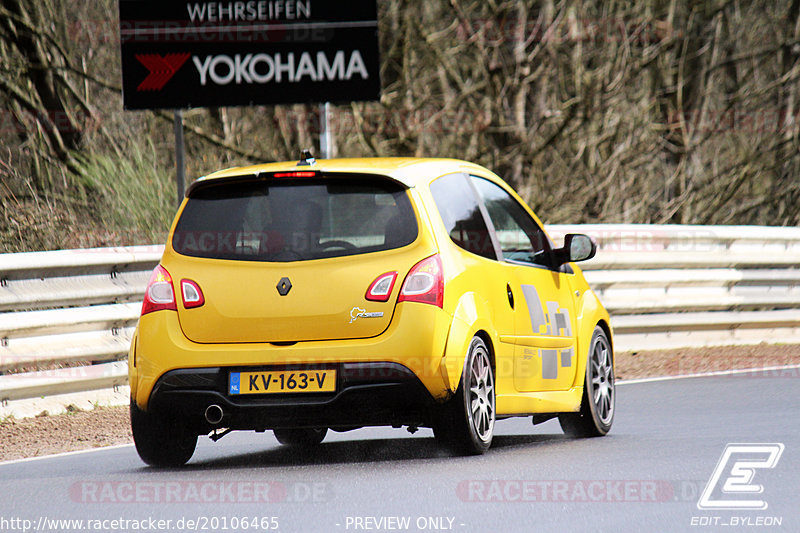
(306, 159)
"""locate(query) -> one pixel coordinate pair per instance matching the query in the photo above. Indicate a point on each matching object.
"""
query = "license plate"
(283, 381)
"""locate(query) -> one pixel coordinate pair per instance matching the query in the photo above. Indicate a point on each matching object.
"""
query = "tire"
(466, 422)
(160, 441)
(597, 405)
(301, 436)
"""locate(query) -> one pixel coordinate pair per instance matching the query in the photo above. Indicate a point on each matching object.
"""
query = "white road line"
(65, 454)
(762, 370)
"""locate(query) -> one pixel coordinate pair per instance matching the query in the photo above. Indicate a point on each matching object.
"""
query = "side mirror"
(577, 247)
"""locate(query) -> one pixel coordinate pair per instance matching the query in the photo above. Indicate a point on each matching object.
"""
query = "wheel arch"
(487, 340)
(604, 325)
(469, 320)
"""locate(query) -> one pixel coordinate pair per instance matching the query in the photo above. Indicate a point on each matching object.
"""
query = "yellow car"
(312, 295)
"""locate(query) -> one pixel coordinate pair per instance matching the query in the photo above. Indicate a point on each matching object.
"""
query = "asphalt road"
(647, 474)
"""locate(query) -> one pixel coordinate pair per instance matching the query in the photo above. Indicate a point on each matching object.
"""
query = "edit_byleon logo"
(732, 485)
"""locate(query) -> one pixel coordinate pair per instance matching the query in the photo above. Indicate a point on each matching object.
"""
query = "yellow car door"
(545, 324)
(482, 277)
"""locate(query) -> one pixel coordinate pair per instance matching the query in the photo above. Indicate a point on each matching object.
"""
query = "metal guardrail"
(69, 308)
(665, 286)
(671, 286)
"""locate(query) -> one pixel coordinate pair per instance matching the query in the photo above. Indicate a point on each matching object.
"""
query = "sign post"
(180, 151)
(325, 142)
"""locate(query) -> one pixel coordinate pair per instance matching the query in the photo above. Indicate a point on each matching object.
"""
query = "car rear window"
(295, 219)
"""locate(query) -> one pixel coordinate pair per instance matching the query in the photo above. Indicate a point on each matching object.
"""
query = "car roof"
(410, 171)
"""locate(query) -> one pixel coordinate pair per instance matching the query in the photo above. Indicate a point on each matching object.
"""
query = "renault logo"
(284, 286)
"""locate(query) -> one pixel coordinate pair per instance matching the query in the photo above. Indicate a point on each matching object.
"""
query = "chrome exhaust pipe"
(214, 414)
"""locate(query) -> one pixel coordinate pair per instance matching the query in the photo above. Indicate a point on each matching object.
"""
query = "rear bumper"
(415, 340)
(367, 394)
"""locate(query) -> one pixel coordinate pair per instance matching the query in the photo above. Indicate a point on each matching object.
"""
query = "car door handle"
(510, 294)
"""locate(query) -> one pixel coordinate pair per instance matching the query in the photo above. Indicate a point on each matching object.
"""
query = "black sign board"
(179, 54)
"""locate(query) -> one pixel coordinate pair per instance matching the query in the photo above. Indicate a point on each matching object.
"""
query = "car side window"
(521, 238)
(461, 214)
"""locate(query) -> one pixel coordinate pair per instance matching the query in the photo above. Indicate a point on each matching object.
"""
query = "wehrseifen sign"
(179, 54)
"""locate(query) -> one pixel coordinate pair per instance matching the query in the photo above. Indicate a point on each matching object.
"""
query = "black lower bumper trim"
(367, 394)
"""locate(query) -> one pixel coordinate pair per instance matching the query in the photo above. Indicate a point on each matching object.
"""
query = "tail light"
(159, 293)
(424, 283)
(380, 289)
(191, 293)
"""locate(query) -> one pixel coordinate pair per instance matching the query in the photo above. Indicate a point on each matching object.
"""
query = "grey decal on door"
(566, 357)
(549, 364)
(535, 309)
(544, 323)
(561, 318)
(539, 317)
